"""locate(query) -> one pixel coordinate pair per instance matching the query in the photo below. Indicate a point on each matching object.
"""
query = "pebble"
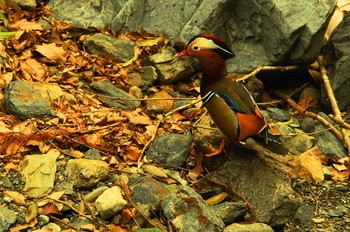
(110, 202)
(85, 173)
(170, 149)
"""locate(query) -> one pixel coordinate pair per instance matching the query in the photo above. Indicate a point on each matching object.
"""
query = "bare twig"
(332, 100)
(157, 126)
(341, 122)
(268, 68)
(310, 114)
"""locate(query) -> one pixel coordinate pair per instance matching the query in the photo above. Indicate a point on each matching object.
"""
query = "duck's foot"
(216, 151)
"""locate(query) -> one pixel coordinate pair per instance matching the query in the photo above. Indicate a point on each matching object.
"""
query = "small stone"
(150, 74)
(171, 70)
(187, 211)
(231, 212)
(43, 220)
(338, 211)
(318, 220)
(25, 102)
(93, 154)
(52, 227)
(170, 149)
(94, 194)
(154, 189)
(110, 202)
(279, 114)
(85, 173)
(254, 227)
(164, 104)
(109, 46)
(113, 96)
(304, 214)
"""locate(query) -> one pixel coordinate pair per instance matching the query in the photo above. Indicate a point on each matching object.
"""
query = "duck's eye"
(195, 48)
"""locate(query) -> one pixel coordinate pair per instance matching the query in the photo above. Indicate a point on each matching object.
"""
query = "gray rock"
(279, 114)
(231, 212)
(93, 154)
(326, 140)
(260, 32)
(187, 211)
(339, 211)
(296, 142)
(171, 70)
(7, 218)
(109, 46)
(305, 214)
(85, 173)
(170, 149)
(154, 189)
(266, 187)
(25, 102)
(150, 74)
(311, 91)
(86, 14)
(113, 96)
(253, 227)
(338, 65)
(110, 202)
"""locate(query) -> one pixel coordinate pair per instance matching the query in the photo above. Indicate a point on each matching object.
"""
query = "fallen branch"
(341, 122)
(157, 126)
(309, 114)
(268, 68)
(332, 100)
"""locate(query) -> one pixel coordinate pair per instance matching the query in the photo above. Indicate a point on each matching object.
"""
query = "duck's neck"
(213, 70)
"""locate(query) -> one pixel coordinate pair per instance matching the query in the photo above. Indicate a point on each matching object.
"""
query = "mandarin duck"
(228, 102)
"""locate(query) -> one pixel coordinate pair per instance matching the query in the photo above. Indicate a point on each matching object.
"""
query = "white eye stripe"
(204, 43)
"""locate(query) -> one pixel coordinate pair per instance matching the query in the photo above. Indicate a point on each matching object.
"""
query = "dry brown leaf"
(40, 144)
(18, 198)
(53, 52)
(53, 195)
(132, 152)
(75, 153)
(307, 102)
(216, 199)
(32, 212)
(337, 17)
(308, 166)
(341, 170)
(33, 70)
(50, 208)
(10, 166)
(198, 169)
(26, 26)
(140, 119)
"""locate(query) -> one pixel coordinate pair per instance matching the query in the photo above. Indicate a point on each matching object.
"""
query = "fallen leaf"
(216, 199)
(140, 119)
(26, 26)
(18, 198)
(307, 103)
(308, 166)
(10, 166)
(53, 52)
(33, 70)
(50, 208)
(32, 211)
